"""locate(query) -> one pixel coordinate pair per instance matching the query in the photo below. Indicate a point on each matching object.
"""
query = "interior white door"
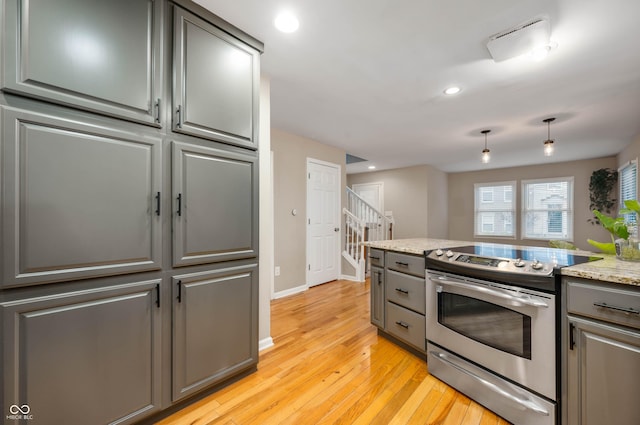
(372, 193)
(323, 222)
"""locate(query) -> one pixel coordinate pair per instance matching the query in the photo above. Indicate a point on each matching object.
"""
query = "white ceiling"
(368, 76)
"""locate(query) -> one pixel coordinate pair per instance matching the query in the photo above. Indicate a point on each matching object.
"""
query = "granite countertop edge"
(609, 269)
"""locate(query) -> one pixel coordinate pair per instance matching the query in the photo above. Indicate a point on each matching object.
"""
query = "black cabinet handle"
(402, 264)
(627, 310)
(158, 204)
(179, 204)
(179, 115)
(374, 258)
(402, 291)
(572, 341)
(157, 105)
(158, 295)
(403, 324)
(179, 297)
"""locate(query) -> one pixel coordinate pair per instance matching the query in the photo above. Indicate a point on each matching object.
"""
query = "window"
(486, 194)
(628, 178)
(508, 194)
(547, 209)
(488, 223)
(494, 209)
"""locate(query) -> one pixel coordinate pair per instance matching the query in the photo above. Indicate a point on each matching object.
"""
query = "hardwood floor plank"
(329, 366)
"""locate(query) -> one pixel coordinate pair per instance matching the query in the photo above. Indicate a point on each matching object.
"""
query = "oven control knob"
(536, 265)
(518, 263)
(449, 253)
(439, 252)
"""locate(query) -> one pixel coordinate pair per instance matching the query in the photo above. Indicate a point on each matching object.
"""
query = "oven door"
(508, 330)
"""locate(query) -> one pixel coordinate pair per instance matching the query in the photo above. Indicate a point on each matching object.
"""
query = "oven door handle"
(476, 288)
(524, 403)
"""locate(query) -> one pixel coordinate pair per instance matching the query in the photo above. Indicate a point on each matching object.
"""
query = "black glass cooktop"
(561, 257)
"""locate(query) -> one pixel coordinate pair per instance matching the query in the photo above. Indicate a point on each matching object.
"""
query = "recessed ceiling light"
(372, 167)
(452, 90)
(286, 22)
(539, 53)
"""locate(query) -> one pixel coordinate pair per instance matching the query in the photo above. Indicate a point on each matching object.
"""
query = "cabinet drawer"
(615, 305)
(405, 263)
(376, 256)
(406, 290)
(406, 325)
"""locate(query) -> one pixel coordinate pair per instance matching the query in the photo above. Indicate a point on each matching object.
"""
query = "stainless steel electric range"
(492, 326)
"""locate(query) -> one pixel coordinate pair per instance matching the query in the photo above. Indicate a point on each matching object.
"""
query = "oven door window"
(486, 323)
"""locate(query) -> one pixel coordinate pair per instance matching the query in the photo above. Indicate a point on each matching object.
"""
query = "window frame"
(483, 207)
(624, 192)
(569, 211)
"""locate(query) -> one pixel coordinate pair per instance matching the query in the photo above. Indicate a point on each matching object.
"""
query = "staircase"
(362, 223)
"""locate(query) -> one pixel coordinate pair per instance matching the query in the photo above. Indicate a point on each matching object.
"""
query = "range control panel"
(497, 264)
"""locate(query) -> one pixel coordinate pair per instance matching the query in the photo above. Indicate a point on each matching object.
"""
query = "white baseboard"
(263, 344)
(352, 278)
(287, 292)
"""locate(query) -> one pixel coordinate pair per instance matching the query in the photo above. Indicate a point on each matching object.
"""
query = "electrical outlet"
(277, 271)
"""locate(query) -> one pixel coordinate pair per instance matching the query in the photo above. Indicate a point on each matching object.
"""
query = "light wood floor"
(329, 366)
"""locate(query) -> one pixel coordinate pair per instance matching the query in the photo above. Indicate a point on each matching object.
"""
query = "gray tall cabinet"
(129, 207)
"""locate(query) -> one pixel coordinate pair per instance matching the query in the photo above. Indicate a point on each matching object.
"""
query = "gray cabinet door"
(216, 83)
(79, 199)
(215, 327)
(603, 372)
(84, 357)
(377, 296)
(103, 56)
(215, 204)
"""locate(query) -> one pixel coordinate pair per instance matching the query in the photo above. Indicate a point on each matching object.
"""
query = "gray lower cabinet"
(398, 300)
(83, 199)
(102, 56)
(377, 296)
(216, 78)
(215, 326)
(602, 353)
(89, 356)
(215, 198)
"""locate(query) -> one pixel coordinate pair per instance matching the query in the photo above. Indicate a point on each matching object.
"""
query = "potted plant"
(624, 243)
(601, 187)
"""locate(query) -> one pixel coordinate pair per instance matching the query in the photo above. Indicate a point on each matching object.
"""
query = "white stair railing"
(353, 249)
(363, 223)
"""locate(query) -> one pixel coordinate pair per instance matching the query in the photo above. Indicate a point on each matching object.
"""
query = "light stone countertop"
(609, 269)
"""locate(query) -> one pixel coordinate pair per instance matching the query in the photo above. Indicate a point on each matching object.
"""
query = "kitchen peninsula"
(609, 269)
(595, 299)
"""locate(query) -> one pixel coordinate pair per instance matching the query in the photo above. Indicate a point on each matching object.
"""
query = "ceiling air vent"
(352, 159)
(519, 40)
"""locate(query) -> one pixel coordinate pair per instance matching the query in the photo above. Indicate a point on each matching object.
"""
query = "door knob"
(337, 229)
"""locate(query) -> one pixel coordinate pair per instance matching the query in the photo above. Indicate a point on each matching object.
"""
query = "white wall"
(416, 196)
(290, 153)
(266, 218)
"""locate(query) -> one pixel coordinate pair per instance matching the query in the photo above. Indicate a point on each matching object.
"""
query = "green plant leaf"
(633, 206)
(615, 226)
(607, 248)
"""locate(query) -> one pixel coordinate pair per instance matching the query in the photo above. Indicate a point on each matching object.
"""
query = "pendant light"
(548, 144)
(485, 152)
